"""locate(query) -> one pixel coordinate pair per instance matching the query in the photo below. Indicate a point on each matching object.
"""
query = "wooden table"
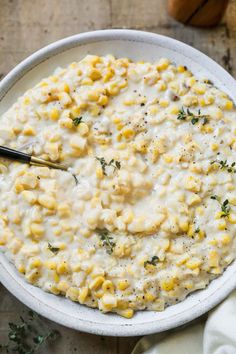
(27, 25)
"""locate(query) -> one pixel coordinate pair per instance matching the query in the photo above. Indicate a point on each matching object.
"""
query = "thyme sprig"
(25, 338)
(107, 240)
(53, 249)
(194, 117)
(154, 260)
(225, 207)
(225, 166)
(115, 164)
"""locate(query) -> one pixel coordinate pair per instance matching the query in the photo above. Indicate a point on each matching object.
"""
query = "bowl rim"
(127, 329)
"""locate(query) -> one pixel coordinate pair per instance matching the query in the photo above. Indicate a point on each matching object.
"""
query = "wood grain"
(27, 25)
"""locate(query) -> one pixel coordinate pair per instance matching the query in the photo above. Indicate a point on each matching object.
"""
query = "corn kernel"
(83, 129)
(193, 264)
(51, 265)
(95, 74)
(21, 268)
(200, 89)
(63, 268)
(163, 64)
(109, 302)
(226, 239)
(83, 293)
(214, 147)
(96, 283)
(167, 284)
(54, 114)
(168, 158)
(127, 133)
(29, 196)
(123, 284)
(163, 103)
(232, 218)
(228, 105)
(149, 297)
(221, 225)
(63, 286)
(103, 100)
(181, 69)
(28, 131)
(108, 286)
(213, 259)
(73, 293)
(47, 201)
(37, 229)
(184, 226)
(127, 313)
(35, 263)
(66, 88)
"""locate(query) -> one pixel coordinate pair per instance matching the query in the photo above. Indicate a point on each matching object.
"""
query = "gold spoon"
(27, 158)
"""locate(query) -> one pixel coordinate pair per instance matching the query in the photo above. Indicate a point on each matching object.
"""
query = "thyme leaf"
(107, 241)
(225, 208)
(54, 250)
(154, 260)
(115, 164)
(77, 121)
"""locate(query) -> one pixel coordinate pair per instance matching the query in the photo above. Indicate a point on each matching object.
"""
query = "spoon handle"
(23, 157)
(14, 154)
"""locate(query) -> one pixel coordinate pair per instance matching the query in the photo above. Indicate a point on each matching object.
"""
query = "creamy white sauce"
(140, 229)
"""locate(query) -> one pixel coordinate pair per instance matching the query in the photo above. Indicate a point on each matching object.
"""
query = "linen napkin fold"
(216, 336)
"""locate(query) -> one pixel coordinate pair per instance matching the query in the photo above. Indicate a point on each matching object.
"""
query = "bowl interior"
(137, 46)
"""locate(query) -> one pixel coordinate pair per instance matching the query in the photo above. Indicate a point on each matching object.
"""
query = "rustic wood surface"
(27, 25)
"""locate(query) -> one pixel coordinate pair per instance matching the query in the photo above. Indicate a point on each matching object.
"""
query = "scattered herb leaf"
(107, 241)
(154, 260)
(225, 208)
(54, 250)
(214, 197)
(194, 120)
(77, 121)
(183, 115)
(75, 178)
(115, 164)
(205, 120)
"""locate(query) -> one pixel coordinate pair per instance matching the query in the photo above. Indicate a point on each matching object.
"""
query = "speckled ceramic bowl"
(138, 46)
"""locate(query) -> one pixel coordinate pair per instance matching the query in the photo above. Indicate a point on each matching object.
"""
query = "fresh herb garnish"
(182, 115)
(107, 241)
(115, 164)
(25, 338)
(197, 230)
(76, 179)
(154, 260)
(194, 117)
(225, 166)
(225, 207)
(194, 120)
(54, 250)
(77, 121)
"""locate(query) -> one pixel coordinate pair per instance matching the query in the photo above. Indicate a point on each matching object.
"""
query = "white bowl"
(138, 46)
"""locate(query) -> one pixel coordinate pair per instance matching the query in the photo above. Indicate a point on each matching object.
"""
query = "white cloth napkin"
(217, 335)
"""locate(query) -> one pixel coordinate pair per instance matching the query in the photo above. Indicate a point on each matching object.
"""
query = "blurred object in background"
(201, 13)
